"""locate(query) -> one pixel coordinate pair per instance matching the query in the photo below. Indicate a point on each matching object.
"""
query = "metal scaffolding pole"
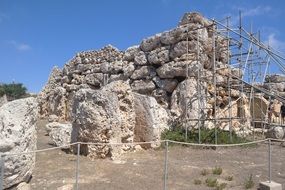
(199, 94)
(215, 80)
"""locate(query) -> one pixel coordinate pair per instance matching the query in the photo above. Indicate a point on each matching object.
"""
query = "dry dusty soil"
(144, 170)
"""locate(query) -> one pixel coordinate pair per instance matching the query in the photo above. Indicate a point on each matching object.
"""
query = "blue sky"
(37, 35)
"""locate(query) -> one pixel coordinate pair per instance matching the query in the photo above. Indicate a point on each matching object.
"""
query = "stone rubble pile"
(116, 96)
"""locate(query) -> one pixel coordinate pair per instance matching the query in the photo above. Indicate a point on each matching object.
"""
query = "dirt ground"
(144, 170)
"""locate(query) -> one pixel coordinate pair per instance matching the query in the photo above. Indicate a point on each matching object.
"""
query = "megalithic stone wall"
(157, 67)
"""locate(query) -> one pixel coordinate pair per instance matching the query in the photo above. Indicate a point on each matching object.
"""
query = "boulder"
(128, 69)
(275, 133)
(172, 69)
(159, 56)
(194, 17)
(144, 72)
(143, 86)
(95, 80)
(167, 84)
(276, 78)
(140, 58)
(131, 52)
(18, 134)
(150, 43)
(180, 48)
(60, 133)
(104, 116)
(151, 120)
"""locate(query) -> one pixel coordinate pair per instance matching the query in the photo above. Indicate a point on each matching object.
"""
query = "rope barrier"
(142, 143)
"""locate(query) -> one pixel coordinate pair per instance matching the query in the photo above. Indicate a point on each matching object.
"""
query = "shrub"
(217, 171)
(249, 183)
(13, 90)
(204, 172)
(197, 182)
(211, 182)
(229, 178)
(221, 186)
(207, 136)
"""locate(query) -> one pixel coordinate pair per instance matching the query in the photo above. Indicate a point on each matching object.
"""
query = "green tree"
(13, 90)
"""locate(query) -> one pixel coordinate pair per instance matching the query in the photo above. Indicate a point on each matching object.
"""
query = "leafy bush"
(13, 90)
(217, 171)
(197, 182)
(211, 182)
(177, 133)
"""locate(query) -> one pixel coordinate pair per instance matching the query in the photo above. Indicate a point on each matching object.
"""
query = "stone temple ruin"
(199, 74)
(182, 75)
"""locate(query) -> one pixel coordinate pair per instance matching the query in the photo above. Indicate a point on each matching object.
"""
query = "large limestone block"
(59, 133)
(192, 31)
(186, 102)
(150, 43)
(172, 69)
(259, 108)
(140, 58)
(143, 86)
(194, 17)
(18, 134)
(167, 84)
(104, 116)
(151, 120)
(159, 56)
(131, 52)
(56, 104)
(181, 48)
(144, 72)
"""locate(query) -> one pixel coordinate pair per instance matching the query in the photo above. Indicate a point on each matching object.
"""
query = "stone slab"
(270, 186)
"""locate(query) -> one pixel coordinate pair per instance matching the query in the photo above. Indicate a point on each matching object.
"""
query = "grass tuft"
(249, 183)
(229, 178)
(204, 172)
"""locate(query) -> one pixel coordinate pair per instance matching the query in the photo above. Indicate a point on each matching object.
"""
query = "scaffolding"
(251, 59)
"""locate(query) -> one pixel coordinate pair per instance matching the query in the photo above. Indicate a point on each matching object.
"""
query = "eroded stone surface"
(18, 134)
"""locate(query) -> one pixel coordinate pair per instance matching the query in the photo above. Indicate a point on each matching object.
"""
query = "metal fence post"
(1, 172)
(269, 160)
(77, 167)
(165, 165)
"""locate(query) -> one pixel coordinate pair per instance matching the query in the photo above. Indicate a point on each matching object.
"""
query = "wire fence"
(173, 165)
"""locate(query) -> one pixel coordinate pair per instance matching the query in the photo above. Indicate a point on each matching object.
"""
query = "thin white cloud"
(276, 44)
(3, 17)
(259, 10)
(246, 12)
(20, 46)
